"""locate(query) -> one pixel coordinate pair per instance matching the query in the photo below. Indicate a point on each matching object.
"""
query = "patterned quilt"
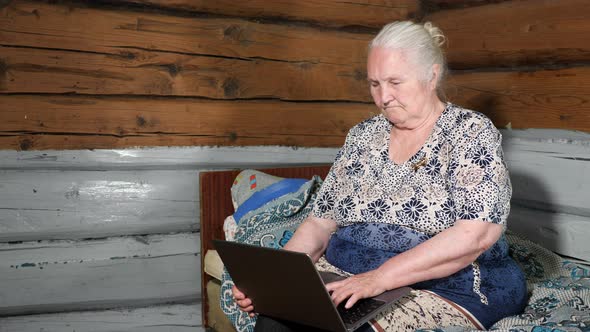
(559, 292)
(559, 289)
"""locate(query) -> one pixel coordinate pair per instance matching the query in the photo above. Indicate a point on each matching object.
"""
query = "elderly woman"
(417, 196)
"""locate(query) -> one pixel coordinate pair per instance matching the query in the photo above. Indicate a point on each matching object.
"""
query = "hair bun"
(435, 33)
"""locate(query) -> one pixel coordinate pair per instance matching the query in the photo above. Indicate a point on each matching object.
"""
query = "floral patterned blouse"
(459, 173)
(383, 208)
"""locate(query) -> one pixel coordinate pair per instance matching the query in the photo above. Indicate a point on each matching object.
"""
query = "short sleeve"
(323, 206)
(480, 184)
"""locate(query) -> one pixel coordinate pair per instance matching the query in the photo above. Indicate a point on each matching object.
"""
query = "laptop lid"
(285, 285)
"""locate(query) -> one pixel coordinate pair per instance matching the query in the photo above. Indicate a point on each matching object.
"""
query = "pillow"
(248, 182)
(252, 189)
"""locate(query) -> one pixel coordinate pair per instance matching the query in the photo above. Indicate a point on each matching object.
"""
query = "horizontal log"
(548, 173)
(164, 158)
(436, 5)
(139, 191)
(46, 204)
(515, 33)
(79, 122)
(69, 142)
(374, 13)
(178, 318)
(95, 194)
(119, 32)
(155, 73)
(108, 273)
(535, 99)
(565, 234)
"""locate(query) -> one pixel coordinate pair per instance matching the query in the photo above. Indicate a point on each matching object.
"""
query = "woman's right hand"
(243, 301)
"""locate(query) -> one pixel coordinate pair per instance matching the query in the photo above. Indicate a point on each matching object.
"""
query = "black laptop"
(285, 285)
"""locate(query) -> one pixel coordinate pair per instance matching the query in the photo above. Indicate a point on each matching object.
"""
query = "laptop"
(285, 285)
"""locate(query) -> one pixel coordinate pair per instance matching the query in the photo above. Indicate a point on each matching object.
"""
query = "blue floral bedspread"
(559, 293)
(559, 289)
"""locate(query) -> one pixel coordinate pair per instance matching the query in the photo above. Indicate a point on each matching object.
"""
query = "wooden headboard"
(216, 205)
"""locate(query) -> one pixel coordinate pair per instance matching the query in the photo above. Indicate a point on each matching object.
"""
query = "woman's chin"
(393, 115)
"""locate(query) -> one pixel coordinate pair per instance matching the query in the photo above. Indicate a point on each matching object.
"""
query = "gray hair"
(423, 42)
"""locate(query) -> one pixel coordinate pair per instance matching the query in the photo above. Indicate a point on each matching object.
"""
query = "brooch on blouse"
(419, 164)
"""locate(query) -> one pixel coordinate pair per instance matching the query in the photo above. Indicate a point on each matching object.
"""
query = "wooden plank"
(47, 142)
(178, 318)
(49, 204)
(122, 32)
(566, 234)
(168, 74)
(515, 33)
(550, 174)
(165, 158)
(124, 192)
(436, 5)
(38, 188)
(56, 276)
(44, 122)
(535, 99)
(66, 142)
(373, 13)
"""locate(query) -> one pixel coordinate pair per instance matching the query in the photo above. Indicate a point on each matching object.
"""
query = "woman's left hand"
(354, 288)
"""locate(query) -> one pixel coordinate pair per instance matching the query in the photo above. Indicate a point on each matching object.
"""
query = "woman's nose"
(386, 96)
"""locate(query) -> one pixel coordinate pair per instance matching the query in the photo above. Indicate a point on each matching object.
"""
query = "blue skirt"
(491, 288)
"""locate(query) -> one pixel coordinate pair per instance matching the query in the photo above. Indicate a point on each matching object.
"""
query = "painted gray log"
(167, 158)
(565, 234)
(52, 204)
(59, 276)
(549, 169)
(99, 193)
(178, 318)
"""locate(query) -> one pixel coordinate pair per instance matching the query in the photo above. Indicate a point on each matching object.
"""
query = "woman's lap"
(417, 310)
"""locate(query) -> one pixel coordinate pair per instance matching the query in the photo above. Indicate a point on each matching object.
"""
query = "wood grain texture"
(125, 192)
(168, 74)
(164, 158)
(94, 123)
(533, 99)
(120, 32)
(98, 274)
(54, 204)
(549, 173)
(516, 33)
(177, 318)
(373, 13)
(565, 234)
(47, 142)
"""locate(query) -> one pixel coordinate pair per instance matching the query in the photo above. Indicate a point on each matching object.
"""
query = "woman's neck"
(406, 142)
(421, 124)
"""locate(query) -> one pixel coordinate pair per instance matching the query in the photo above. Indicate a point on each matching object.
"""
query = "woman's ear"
(433, 82)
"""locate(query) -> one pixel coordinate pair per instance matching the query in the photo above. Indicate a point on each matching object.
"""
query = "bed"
(559, 288)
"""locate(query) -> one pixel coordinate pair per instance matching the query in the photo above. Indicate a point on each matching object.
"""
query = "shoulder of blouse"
(462, 123)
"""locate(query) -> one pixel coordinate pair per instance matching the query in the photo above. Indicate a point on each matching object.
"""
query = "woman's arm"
(442, 255)
(311, 237)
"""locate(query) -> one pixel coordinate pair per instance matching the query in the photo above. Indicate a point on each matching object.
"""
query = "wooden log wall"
(105, 225)
(124, 73)
(108, 240)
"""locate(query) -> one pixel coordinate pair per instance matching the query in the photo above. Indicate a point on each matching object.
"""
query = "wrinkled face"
(399, 88)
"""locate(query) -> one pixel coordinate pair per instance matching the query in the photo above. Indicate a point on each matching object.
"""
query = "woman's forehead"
(383, 63)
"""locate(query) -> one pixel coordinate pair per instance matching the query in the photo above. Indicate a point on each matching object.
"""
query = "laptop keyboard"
(359, 310)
